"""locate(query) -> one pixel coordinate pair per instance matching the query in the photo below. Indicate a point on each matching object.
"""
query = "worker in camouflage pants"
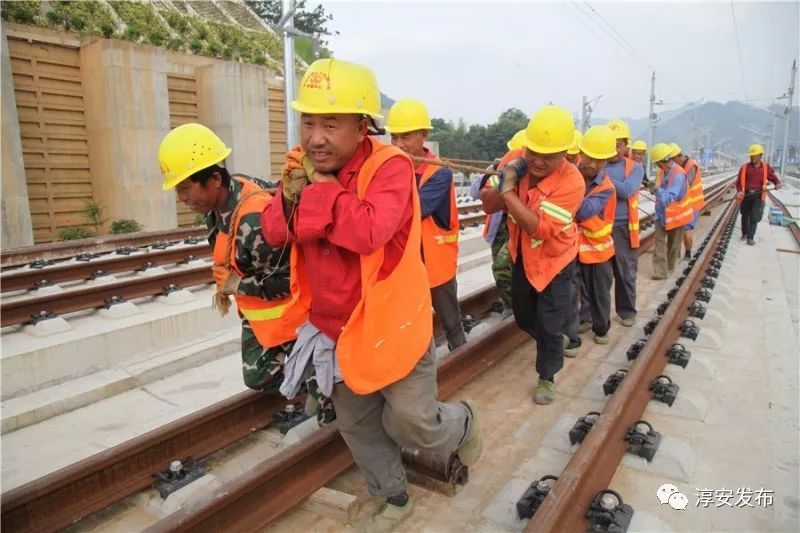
(245, 266)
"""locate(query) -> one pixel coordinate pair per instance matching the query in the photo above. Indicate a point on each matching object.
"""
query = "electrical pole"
(651, 119)
(587, 107)
(788, 117)
(288, 73)
(584, 120)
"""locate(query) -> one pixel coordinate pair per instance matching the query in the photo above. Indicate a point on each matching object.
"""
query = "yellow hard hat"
(755, 149)
(188, 149)
(551, 130)
(599, 142)
(408, 115)
(639, 145)
(660, 152)
(517, 141)
(574, 149)
(331, 86)
(674, 149)
(620, 128)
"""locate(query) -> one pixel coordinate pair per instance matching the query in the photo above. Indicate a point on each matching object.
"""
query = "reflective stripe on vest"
(439, 245)
(269, 313)
(680, 212)
(743, 180)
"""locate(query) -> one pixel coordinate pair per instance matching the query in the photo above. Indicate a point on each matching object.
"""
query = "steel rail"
(593, 465)
(66, 249)
(793, 227)
(273, 487)
(60, 498)
(22, 279)
(90, 297)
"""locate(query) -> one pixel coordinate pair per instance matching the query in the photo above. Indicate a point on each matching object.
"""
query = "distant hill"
(733, 123)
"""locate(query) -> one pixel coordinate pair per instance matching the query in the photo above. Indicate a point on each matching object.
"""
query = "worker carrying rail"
(626, 175)
(349, 205)
(192, 161)
(673, 211)
(595, 219)
(694, 181)
(408, 123)
(751, 191)
(542, 191)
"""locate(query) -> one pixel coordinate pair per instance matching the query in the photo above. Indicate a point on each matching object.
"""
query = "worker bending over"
(694, 180)
(409, 123)
(595, 221)
(192, 158)
(542, 191)
(350, 206)
(627, 176)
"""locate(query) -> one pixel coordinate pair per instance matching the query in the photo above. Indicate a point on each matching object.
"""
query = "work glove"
(296, 173)
(512, 173)
(227, 280)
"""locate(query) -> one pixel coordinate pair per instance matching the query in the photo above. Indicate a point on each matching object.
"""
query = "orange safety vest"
(391, 326)
(543, 260)
(696, 197)
(509, 156)
(440, 246)
(273, 321)
(596, 245)
(743, 179)
(678, 213)
(633, 208)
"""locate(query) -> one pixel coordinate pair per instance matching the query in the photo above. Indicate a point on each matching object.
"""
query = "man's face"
(590, 167)
(755, 159)
(412, 142)
(541, 165)
(637, 155)
(622, 149)
(571, 158)
(331, 140)
(197, 197)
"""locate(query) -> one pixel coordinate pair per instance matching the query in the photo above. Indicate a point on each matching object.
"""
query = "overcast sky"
(473, 60)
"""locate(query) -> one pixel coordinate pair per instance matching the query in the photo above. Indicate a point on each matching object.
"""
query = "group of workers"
(337, 273)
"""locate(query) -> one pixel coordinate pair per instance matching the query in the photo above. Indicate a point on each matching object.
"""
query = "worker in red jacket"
(751, 190)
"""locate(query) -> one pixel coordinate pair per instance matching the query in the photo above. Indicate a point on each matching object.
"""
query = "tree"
(477, 141)
(314, 22)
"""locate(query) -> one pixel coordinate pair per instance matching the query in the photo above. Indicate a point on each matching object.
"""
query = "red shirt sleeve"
(568, 198)
(273, 222)
(771, 176)
(330, 211)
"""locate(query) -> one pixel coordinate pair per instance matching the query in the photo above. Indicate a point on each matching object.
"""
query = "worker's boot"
(629, 322)
(470, 451)
(751, 241)
(545, 392)
(584, 326)
(388, 517)
(601, 339)
(571, 349)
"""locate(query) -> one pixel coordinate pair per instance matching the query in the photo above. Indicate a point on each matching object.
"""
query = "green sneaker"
(545, 392)
(601, 339)
(387, 517)
(585, 326)
(571, 350)
(470, 451)
(629, 322)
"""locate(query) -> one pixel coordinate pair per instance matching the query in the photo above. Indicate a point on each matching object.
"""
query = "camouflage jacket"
(266, 270)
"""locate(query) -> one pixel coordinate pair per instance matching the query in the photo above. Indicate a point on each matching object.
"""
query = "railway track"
(69, 494)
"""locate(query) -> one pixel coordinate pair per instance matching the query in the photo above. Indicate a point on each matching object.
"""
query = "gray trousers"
(448, 313)
(625, 263)
(596, 295)
(404, 414)
(667, 252)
